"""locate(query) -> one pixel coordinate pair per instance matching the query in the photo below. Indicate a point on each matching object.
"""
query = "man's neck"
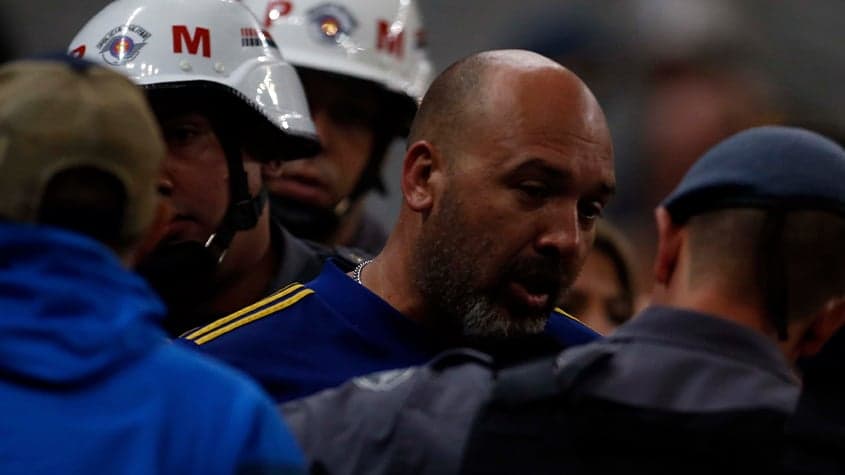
(390, 276)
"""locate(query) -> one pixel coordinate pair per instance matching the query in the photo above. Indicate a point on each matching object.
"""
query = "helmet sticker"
(254, 37)
(201, 37)
(77, 52)
(275, 10)
(122, 44)
(390, 40)
(249, 37)
(331, 23)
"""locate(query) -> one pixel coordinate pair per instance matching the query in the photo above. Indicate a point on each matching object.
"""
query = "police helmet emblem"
(122, 44)
(331, 23)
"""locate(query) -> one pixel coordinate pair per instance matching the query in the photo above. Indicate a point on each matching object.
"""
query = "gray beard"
(443, 272)
(484, 320)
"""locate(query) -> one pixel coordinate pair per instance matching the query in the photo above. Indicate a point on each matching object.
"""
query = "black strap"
(244, 210)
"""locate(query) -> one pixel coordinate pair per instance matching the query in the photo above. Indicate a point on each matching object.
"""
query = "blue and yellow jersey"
(305, 338)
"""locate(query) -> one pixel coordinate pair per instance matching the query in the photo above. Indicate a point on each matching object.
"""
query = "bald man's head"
(508, 168)
(472, 90)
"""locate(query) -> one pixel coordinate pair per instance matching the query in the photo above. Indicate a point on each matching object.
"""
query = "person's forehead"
(543, 101)
(548, 150)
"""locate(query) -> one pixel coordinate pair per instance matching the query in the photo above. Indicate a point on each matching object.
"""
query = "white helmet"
(376, 40)
(215, 48)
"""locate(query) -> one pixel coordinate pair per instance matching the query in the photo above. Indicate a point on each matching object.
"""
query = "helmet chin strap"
(244, 210)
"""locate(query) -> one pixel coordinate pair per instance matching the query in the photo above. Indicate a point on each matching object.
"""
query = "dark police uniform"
(672, 391)
(815, 433)
(302, 260)
(669, 368)
(305, 338)
(411, 420)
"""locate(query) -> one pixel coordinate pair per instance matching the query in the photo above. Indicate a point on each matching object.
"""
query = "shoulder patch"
(278, 301)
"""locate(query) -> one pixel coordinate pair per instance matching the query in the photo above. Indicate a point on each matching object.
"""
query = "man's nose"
(562, 234)
(164, 185)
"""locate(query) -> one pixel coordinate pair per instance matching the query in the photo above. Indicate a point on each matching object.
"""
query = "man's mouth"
(535, 289)
(181, 228)
(529, 296)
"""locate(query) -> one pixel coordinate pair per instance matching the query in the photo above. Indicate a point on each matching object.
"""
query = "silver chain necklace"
(356, 273)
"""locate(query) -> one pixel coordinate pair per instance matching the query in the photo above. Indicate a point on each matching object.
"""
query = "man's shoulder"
(432, 404)
(568, 330)
(280, 308)
(346, 258)
(302, 259)
(648, 372)
(450, 374)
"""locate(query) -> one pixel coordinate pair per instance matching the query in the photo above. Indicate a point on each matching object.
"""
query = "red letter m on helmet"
(389, 41)
(202, 36)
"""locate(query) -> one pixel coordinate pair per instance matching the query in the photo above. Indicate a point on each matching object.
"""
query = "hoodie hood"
(69, 310)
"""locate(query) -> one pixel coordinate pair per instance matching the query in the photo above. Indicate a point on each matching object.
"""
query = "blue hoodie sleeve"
(270, 447)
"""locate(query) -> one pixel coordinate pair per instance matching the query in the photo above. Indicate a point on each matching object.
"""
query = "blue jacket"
(305, 338)
(89, 384)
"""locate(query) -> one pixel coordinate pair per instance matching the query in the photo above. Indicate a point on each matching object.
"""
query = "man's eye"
(590, 211)
(534, 189)
(180, 135)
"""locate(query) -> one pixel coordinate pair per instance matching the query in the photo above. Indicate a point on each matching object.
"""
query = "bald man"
(508, 167)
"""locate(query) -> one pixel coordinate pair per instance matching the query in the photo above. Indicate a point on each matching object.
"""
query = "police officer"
(226, 102)
(501, 194)
(364, 69)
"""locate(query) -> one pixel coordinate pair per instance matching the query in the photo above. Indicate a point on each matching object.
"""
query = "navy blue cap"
(765, 167)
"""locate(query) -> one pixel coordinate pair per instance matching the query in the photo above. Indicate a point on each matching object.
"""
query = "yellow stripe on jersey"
(256, 316)
(563, 312)
(287, 290)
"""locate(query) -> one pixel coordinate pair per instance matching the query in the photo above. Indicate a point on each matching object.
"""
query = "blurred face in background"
(599, 297)
(344, 113)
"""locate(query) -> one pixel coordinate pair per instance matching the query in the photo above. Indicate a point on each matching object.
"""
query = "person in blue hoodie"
(89, 382)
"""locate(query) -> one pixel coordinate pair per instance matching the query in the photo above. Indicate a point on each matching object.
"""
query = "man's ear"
(828, 321)
(271, 169)
(421, 162)
(668, 246)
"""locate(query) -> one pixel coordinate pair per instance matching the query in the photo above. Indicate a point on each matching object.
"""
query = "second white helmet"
(382, 41)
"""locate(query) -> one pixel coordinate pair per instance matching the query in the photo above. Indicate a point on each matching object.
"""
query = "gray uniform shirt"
(674, 359)
(413, 420)
(417, 420)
